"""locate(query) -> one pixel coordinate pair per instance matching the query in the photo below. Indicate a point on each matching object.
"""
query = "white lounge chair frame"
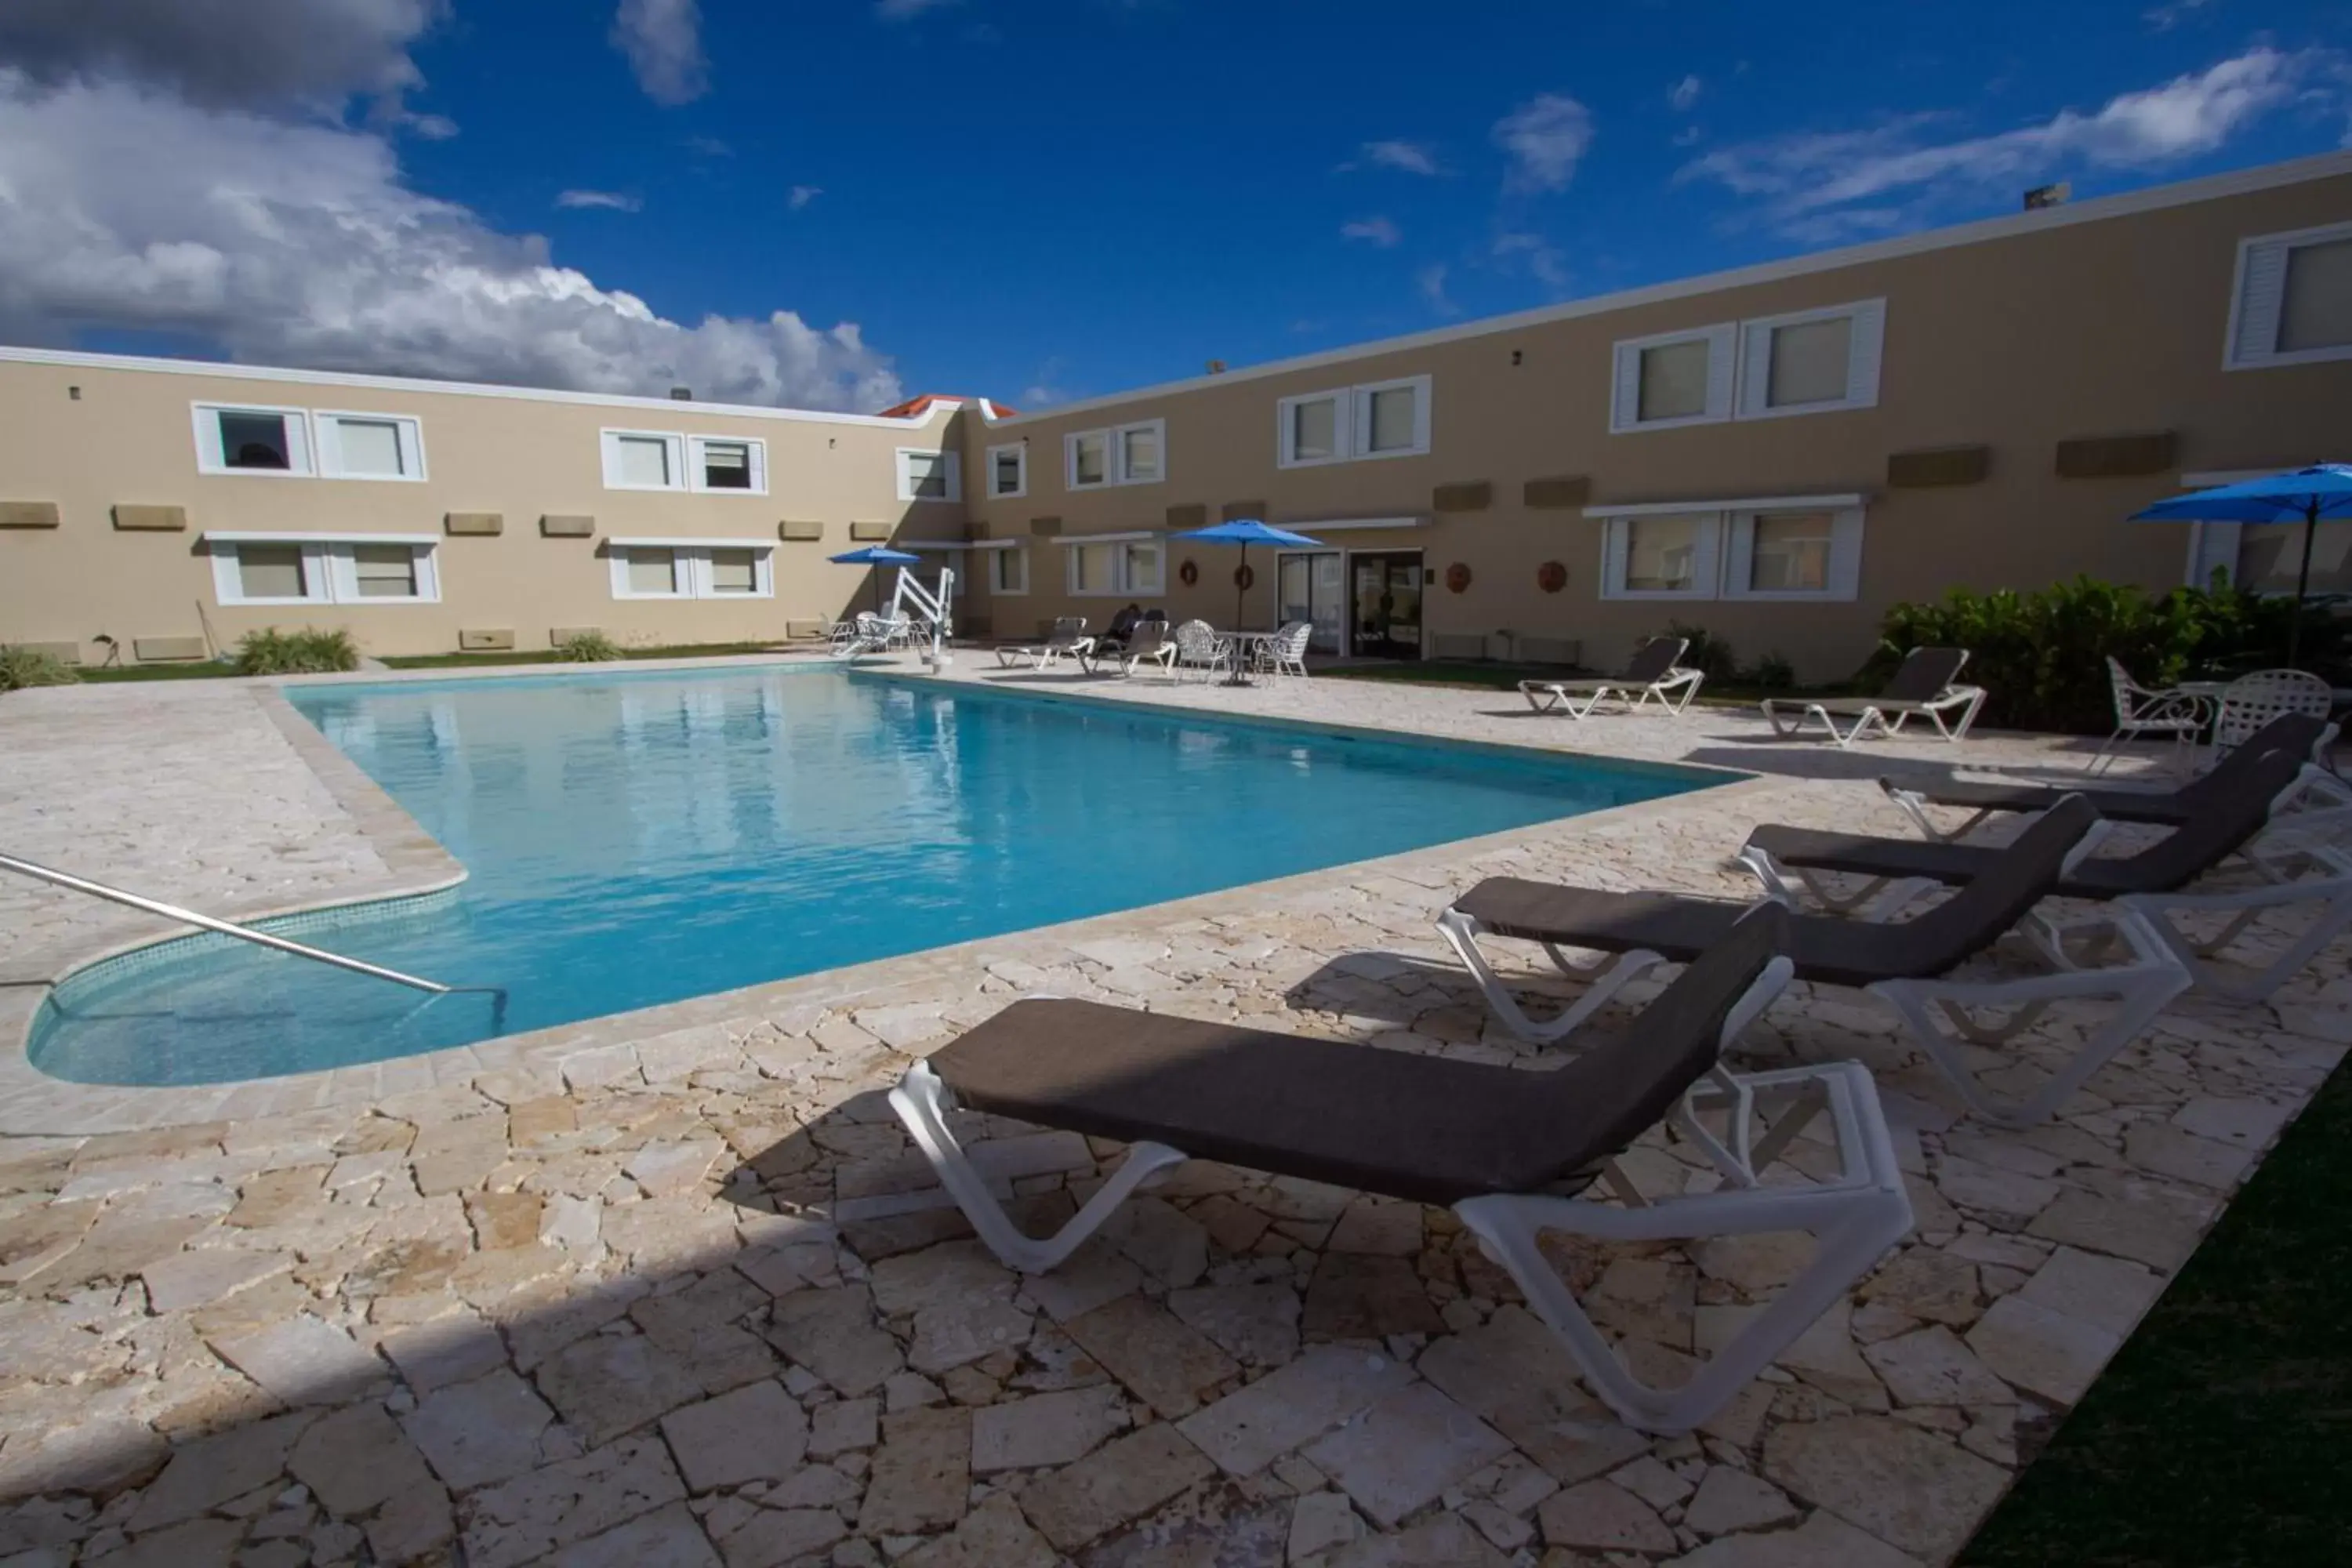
(2140, 988)
(1674, 691)
(2292, 812)
(2331, 891)
(1072, 644)
(2144, 710)
(1870, 715)
(1856, 1216)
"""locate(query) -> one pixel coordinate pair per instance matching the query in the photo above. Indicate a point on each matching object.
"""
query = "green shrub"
(587, 647)
(307, 652)
(24, 666)
(2042, 656)
(1773, 672)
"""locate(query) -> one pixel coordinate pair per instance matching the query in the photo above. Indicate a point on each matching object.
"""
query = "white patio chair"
(2144, 710)
(1287, 653)
(869, 633)
(2252, 700)
(1198, 647)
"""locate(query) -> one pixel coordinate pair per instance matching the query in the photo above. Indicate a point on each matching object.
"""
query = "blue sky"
(1064, 197)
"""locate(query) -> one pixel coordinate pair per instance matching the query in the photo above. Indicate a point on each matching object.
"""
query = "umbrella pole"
(2302, 587)
(1239, 590)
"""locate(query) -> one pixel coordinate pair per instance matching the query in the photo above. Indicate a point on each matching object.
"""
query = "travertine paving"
(674, 1290)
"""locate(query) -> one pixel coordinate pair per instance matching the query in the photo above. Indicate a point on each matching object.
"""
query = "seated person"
(1122, 626)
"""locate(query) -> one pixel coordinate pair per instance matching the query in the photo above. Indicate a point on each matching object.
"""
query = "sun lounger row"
(1515, 1153)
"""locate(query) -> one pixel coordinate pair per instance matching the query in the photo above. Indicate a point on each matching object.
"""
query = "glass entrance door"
(1312, 588)
(1386, 603)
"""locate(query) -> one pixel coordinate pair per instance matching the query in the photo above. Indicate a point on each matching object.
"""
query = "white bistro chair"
(1198, 647)
(2144, 710)
(1285, 652)
(2252, 700)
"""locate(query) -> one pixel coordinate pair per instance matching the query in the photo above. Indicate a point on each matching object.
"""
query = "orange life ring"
(1245, 576)
(1551, 576)
(1187, 574)
(1457, 577)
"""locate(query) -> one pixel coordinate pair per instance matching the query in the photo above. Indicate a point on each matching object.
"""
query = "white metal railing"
(244, 933)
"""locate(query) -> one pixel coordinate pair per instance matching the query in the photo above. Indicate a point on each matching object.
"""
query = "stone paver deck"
(672, 1288)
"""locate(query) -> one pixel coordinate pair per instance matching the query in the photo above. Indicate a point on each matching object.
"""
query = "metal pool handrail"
(246, 933)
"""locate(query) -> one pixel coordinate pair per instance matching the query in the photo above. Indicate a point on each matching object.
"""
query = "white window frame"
(2258, 294)
(609, 445)
(1351, 423)
(1121, 586)
(1000, 554)
(1844, 574)
(1726, 544)
(697, 478)
(327, 566)
(1020, 450)
(327, 445)
(694, 575)
(301, 459)
(1865, 348)
(1722, 342)
(1114, 454)
(906, 475)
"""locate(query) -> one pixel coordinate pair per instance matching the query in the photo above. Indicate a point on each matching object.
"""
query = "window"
(2294, 299)
(1814, 361)
(1129, 565)
(1677, 378)
(370, 446)
(930, 475)
(1385, 419)
(1008, 571)
(729, 465)
(691, 569)
(1800, 548)
(1125, 455)
(323, 569)
(1008, 471)
(643, 460)
(252, 440)
(2265, 558)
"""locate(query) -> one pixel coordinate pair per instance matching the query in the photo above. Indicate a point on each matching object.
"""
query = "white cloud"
(1683, 94)
(801, 195)
(2171, 14)
(1430, 281)
(1378, 231)
(663, 39)
(1866, 177)
(612, 200)
(224, 52)
(299, 244)
(1546, 137)
(1405, 157)
(908, 10)
(1689, 136)
(1542, 258)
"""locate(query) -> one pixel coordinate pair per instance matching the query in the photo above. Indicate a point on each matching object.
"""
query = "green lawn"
(2221, 1432)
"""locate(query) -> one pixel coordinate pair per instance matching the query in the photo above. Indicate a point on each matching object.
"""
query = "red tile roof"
(916, 407)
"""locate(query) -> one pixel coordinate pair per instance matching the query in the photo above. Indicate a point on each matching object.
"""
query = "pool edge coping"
(33, 1103)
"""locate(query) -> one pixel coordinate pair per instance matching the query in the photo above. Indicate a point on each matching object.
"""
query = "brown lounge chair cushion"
(1422, 1128)
(1837, 951)
(2293, 732)
(2189, 852)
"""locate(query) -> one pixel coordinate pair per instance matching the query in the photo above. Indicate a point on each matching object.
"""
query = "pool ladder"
(247, 933)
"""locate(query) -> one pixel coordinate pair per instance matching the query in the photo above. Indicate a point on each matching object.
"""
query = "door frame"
(1350, 579)
(1346, 619)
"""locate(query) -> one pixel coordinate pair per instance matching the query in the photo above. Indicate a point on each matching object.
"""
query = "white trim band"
(422, 540)
(635, 541)
(1763, 503)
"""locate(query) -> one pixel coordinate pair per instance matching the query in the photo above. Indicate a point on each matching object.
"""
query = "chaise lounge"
(1907, 966)
(1510, 1152)
(1922, 686)
(1068, 640)
(1655, 670)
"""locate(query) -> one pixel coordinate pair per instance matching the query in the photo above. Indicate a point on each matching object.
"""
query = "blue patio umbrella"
(876, 556)
(2308, 496)
(1247, 531)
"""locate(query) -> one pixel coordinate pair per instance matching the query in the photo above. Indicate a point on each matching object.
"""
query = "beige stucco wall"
(129, 439)
(2076, 328)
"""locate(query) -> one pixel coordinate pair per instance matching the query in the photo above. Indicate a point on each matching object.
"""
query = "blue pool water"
(634, 839)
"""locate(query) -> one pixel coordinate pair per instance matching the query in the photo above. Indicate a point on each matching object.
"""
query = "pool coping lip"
(33, 1103)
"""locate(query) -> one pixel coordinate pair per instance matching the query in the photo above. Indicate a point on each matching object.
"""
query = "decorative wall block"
(1933, 467)
(793, 528)
(558, 636)
(1244, 511)
(28, 514)
(1475, 495)
(1558, 491)
(166, 650)
(63, 652)
(1045, 528)
(555, 527)
(2118, 457)
(1195, 515)
(874, 533)
(485, 641)
(803, 629)
(151, 519)
(484, 524)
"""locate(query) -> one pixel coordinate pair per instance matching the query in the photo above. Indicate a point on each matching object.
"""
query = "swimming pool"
(636, 838)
